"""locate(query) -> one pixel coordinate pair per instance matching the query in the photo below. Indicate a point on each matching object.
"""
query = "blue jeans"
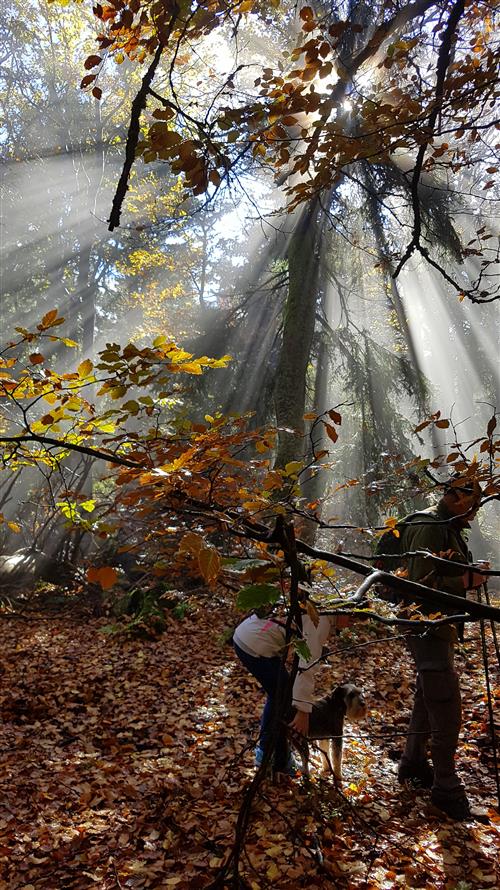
(275, 681)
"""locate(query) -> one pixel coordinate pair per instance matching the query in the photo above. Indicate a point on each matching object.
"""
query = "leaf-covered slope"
(124, 762)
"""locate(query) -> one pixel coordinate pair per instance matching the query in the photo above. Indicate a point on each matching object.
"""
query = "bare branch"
(444, 58)
(138, 106)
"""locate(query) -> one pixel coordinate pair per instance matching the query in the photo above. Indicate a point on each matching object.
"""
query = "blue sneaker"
(291, 769)
(259, 755)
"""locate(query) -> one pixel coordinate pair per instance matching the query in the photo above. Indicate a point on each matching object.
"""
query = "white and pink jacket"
(265, 638)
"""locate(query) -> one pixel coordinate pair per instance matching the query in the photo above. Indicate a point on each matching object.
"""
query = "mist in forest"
(215, 278)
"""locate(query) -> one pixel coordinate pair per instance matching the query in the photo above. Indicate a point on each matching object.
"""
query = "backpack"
(388, 551)
(388, 547)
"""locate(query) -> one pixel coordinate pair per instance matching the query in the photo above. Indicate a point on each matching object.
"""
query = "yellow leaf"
(209, 563)
(221, 362)
(14, 527)
(214, 862)
(84, 368)
(293, 467)
(313, 613)
(273, 872)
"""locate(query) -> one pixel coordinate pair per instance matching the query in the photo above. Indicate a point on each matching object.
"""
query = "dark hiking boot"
(421, 775)
(456, 808)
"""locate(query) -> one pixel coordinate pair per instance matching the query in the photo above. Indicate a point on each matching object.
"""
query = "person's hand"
(300, 723)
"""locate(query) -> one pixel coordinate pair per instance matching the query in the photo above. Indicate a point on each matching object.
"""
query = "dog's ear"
(338, 695)
(342, 691)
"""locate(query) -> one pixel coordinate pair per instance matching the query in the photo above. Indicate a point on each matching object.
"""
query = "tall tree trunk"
(397, 303)
(313, 486)
(314, 482)
(298, 330)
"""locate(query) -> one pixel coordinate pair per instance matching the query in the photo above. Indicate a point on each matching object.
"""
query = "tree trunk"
(313, 486)
(298, 329)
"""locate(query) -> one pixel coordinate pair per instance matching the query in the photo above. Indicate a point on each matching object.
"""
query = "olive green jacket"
(429, 530)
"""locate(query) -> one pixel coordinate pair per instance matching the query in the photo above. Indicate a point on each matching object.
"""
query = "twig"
(138, 106)
(444, 58)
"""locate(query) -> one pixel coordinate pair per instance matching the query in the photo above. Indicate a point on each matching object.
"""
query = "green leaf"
(118, 391)
(131, 406)
(302, 649)
(256, 595)
(241, 565)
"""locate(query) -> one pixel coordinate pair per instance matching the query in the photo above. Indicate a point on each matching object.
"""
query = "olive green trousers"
(437, 713)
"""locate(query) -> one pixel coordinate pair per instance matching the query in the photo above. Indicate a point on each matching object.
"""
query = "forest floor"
(124, 764)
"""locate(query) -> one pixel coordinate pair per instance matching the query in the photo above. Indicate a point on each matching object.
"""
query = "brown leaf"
(491, 426)
(331, 432)
(92, 61)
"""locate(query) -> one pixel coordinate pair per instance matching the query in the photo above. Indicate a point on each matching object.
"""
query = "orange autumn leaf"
(105, 576)
(209, 563)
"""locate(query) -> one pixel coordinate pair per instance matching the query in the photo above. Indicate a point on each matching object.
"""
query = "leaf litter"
(124, 763)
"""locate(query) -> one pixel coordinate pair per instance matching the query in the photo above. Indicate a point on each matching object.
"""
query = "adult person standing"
(437, 713)
(259, 644)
